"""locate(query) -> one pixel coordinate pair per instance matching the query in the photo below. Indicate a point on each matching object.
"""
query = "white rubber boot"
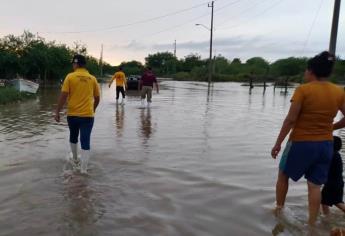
(85, 156)
(123, 102)
(149, 104)
(143, 103)
(74, 150)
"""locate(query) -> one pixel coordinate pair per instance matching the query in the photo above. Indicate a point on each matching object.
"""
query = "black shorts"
(332, 195)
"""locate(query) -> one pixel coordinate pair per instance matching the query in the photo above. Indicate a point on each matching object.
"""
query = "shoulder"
(334, 86)
(93, 77)
(70, 75)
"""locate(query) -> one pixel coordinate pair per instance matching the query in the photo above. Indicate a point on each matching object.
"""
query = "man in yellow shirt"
(81, 91)
(121, 84)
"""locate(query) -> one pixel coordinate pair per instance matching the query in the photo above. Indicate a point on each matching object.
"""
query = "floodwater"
(196, 163)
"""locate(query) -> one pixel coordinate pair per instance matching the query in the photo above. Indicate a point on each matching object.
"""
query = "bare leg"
(325, 209)
(314, 198)
(282, 187)
(341, 206)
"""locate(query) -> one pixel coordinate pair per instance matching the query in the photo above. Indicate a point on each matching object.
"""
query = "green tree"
(257, 66)
(288, 67)
(132, 67)
(161, 62)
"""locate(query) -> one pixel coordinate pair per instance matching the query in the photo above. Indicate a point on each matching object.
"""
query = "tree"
(191, 61)
(257, 66)
(161, 62)
(132, 67)
(288, 67)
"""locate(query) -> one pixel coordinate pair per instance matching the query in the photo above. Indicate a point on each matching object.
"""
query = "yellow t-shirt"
(320, 102)
(120, 78)
(81, 87)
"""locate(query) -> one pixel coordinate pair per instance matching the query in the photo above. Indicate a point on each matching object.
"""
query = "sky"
(132, 29)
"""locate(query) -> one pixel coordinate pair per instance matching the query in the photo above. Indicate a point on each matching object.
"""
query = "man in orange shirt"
(82, 93)
(121, 84)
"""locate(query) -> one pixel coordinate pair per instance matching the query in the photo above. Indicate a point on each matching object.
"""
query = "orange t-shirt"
(120, 78)
(320, 102)
(81, 87)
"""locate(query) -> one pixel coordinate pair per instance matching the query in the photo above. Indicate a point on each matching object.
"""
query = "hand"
(275, 151)
(57, 117)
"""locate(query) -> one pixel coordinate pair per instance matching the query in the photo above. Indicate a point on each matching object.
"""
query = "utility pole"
(211, 42)
(175, 48)
(101, 62)
(175, 59)
(334, 32)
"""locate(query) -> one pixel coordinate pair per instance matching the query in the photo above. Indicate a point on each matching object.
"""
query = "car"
(133, 82)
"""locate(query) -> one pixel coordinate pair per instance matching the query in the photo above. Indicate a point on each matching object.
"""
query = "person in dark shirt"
(146, 85)
(333, 190)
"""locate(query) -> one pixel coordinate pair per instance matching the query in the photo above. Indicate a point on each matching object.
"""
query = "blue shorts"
(311, 159)
(84, 126)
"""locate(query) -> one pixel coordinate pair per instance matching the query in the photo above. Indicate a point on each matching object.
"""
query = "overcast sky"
(132, 29)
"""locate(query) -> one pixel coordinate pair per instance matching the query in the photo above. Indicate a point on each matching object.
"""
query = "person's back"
(333, 190)
(81, 91)
(121, 84)
(146, 83)
(320, 101)
(120, 78)
(148, 78)
(81, 87)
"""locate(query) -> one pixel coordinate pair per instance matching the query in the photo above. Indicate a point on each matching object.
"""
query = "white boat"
(24, 85)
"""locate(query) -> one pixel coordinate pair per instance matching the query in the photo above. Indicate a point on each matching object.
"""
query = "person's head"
(337, 143)
(78, 61)
(120, 68)
(319, 67)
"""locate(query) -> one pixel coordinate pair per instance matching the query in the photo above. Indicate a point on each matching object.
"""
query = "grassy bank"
(9, 95)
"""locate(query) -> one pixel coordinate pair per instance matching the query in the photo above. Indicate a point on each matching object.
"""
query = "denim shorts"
(309, 158)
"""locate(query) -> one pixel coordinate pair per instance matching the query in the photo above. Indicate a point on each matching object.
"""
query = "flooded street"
(196, 163)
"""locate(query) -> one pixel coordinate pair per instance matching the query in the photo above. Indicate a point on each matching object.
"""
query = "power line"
(130, 24)
(244, 11)
(254, 17)
(193, 19)
(227, 5)
(311, 27)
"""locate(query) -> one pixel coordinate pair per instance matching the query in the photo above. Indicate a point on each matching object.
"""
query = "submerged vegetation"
(9, 95)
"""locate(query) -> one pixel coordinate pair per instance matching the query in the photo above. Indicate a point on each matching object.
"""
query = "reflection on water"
(119, 119)
(196, 163)
(146, 126)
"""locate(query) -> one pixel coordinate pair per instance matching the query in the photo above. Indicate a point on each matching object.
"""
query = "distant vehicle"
(24, 85)
(133, 82)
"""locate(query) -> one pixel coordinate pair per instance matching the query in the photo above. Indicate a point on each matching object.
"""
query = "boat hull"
(24, 85)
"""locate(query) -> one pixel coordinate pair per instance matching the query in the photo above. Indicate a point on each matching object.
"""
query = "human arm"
(157, 87)
(96, 95)
(341, 123)
(61, 103)
(288, 124)
(111, 80)
(95, 103)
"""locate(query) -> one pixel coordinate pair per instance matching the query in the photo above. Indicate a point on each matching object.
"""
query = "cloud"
(132, 45)
(246, 47)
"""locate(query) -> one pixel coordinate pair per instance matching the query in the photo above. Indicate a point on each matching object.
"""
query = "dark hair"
(337, 143)
(322, 64)
(120, 68)
(79, 59)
